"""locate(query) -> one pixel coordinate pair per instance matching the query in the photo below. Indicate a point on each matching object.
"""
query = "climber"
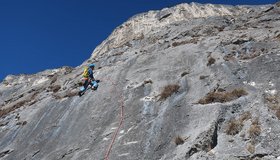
(88, 79)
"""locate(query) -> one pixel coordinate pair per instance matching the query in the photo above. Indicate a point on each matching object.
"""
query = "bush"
(179, 140)
(234, 127)
(169, 90)
(222, 97)
(211, 61)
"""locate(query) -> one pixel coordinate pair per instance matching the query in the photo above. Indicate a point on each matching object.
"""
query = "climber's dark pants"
(86, 83)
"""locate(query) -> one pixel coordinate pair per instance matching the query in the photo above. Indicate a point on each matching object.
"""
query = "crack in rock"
(4, 153)
(205, 142)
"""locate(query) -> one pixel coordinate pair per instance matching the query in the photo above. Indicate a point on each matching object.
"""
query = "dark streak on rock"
(4, 153)
(165, 16)
(36, 153)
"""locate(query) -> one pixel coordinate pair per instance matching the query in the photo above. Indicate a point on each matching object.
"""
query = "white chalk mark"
(124, 154)
(132, 142)
(252, 84)
(120, 137)
(130, 129)
(105, 139)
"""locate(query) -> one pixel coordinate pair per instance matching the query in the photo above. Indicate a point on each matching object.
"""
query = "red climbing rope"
(120, 124)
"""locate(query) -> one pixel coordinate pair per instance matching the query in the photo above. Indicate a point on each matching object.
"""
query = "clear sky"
(43, 34)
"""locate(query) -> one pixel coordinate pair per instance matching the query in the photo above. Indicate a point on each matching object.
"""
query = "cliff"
(192, 82)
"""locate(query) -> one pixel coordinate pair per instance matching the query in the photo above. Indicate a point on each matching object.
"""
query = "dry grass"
(118, 53)
(175, 44)
(168, 91)
(251, 148)
(236, 93)
(211, 61)
(67, 70)
(274, 104)
(5, 111)
(255, 121)
(54, 79)
(255, 129)
(245, 116)
(273, 101)
(55, 88)
(234, 127)
(229, 57)
(222, 97)
(179, 140)
(278, 37)
(193, 40)
(19, 104)
(250, 56)
(5, 82)
(139, 37)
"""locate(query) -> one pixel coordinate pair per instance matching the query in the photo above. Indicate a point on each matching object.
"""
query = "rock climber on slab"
(88, 79)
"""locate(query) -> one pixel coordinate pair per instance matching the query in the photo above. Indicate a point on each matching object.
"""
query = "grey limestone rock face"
(160, 66)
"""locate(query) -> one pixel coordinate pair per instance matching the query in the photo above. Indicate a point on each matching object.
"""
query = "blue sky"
(42, 34)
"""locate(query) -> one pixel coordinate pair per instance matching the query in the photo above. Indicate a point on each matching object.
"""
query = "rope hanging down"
(109, 149)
